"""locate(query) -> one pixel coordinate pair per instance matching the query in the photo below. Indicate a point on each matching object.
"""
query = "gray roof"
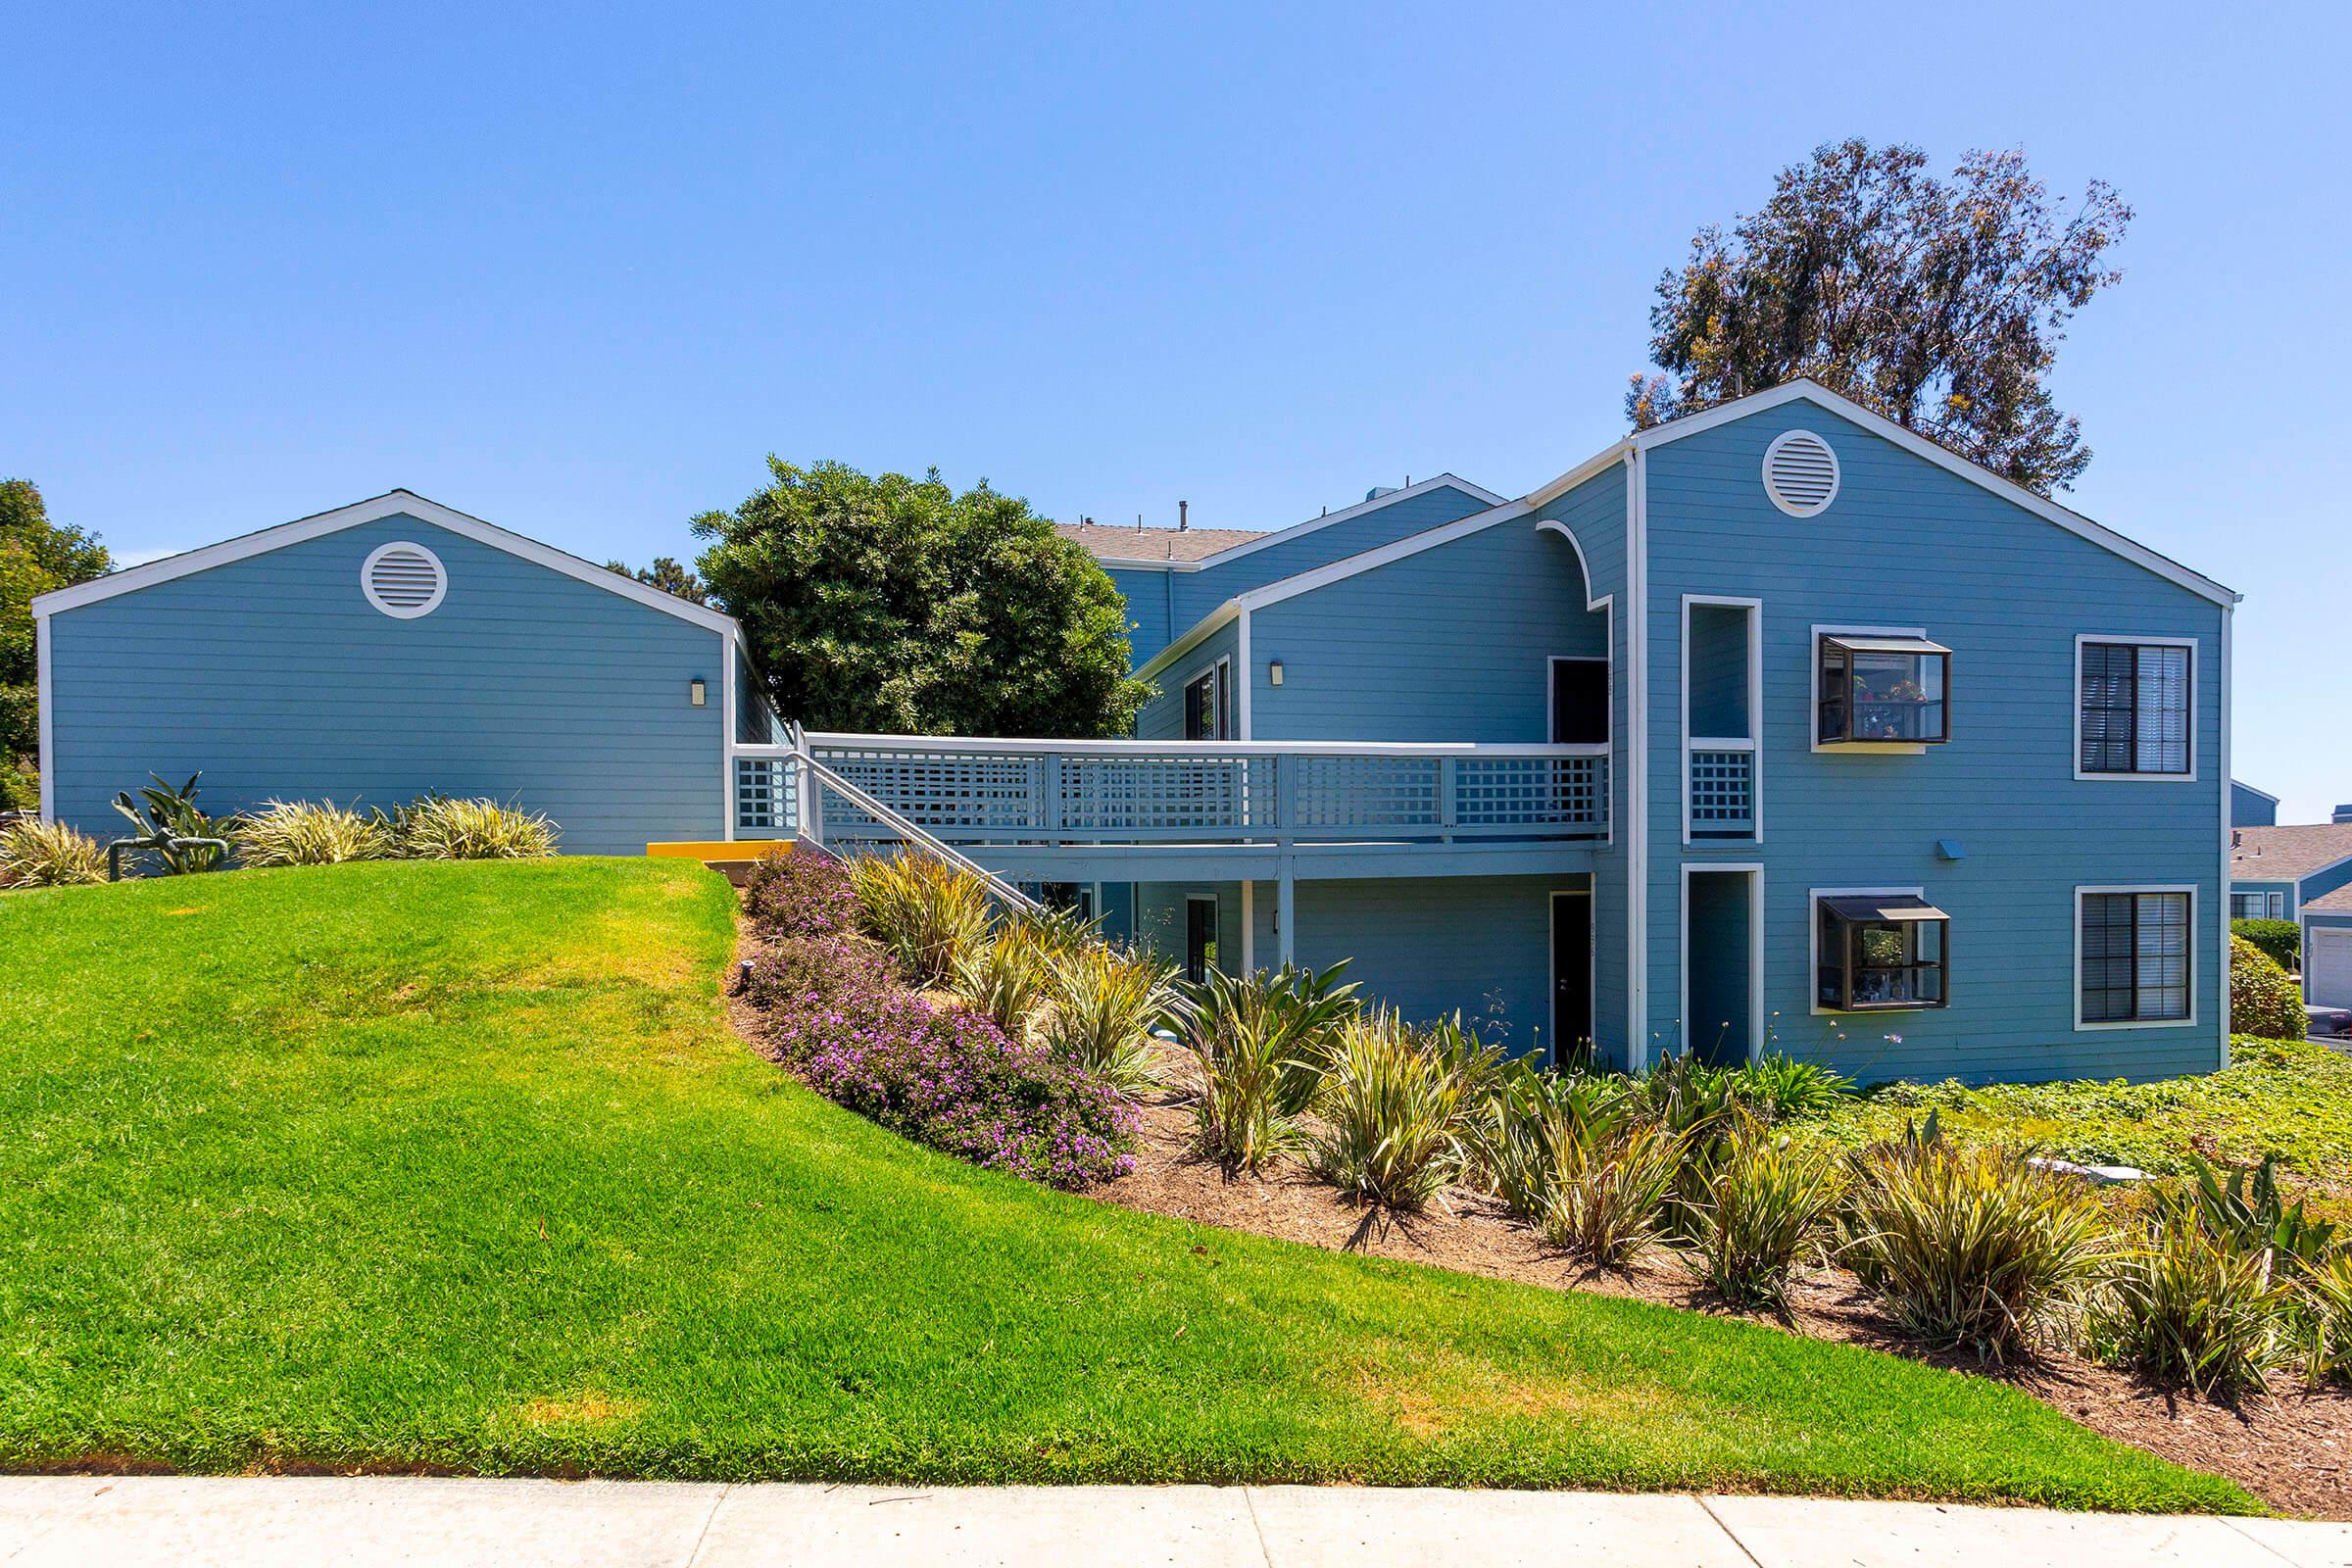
(1108, 542)
(2288, 854)
(2337, 903)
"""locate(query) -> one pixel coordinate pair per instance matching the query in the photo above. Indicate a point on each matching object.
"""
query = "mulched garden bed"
(2292, 1449)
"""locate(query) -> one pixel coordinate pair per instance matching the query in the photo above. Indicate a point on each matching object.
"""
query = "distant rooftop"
(1110, 542)
(2284, 854)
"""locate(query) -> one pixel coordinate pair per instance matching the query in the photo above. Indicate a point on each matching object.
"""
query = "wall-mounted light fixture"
(1274, 673)
(698, 694)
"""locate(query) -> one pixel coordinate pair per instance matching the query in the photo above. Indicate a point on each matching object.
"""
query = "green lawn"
(457, 1167)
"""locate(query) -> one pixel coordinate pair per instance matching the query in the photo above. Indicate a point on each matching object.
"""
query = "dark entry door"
(1200, 936)
(1571, 978)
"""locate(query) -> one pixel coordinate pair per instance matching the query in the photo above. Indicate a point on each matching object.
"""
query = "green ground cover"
(458, 1165)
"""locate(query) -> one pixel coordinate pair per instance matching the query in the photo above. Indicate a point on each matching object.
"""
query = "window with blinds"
(2136, 707)
(2134, 956)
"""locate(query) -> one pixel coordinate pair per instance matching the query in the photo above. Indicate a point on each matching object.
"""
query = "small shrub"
(1396, 1107)
(1778, 1088)
(1606, 1198)
(2262, 1001)
(48, 854)
(814, 974)
(437, 828)
(1105, 1005)
(301, 833)
(1973, 1246)
(2327, 1291)
(1258, 1047)
(799, 892)
(1005, 979)
(1766, 1202)
(20, 782)
(1530, 1116)
(2248, 1212)
(2281, 940)
(930, 915)
(2185, 1306)
(163, 813)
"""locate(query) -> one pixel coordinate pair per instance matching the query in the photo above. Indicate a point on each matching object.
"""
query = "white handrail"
(815, 774)
(1135, 748)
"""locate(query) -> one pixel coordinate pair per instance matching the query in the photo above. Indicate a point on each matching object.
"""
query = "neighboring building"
(2275, 871)
(2328, 949)
(2251, 807)
(1778, 720)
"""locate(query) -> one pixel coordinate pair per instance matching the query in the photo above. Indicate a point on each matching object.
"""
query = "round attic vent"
(1801, 473)
(404, 580)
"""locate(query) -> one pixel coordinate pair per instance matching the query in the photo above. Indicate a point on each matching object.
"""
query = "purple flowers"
(841, 1017)
(799, 893)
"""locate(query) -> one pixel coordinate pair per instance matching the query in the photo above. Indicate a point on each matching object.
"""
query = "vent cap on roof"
(404, 580)
(1801, 473)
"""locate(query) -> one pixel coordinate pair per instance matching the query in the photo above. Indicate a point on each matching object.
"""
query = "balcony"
(1078, 794)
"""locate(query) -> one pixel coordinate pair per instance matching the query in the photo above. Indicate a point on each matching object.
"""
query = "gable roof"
(2241, 784)
(2288, 854)
(2337, 903)
(1236, 543)
(1920, 446)
(395, 502)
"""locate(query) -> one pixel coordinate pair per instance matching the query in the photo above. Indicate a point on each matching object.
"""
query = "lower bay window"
(1880, 952)
(2134, 956)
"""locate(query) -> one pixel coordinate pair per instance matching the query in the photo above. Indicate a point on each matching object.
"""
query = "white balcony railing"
(1723, 788)
(966, 790)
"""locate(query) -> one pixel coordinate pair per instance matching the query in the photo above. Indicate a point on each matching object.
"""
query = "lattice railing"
(1723, 791)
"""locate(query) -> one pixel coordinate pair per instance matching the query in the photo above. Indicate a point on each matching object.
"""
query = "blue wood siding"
(276, 678)
(1451, 644)
(1595, 513)
(1150, 603)
(1906, 543)
(2325, 880)
(1718, 671)
(1720, 953)
(1162, 718)
(2249, 810)
(1199, 592)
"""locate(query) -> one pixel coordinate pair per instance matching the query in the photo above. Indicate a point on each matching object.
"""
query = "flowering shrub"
(947, 1077)
(2262, 1001)
(799, 893)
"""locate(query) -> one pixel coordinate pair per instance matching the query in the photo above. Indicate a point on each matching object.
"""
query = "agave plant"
(2251, 1214)
(1107, 1004)
(1259, 1045)
(167, 819)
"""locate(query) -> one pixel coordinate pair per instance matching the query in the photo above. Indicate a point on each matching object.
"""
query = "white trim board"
(1880, 426)
(1755, 871)
(2196, 988)
(1299, 530)
(2195, 674)
(395, 503)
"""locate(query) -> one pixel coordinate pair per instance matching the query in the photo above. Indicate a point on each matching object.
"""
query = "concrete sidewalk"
(88, 1521)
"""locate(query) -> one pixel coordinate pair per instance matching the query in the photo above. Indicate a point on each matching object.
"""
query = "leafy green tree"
(36, 556)
(1939, 303)
(885, 604)
(668, 575)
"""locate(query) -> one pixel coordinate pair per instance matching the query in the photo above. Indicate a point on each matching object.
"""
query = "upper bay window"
(1880, 951)
(2137, 708)
(1883, 689)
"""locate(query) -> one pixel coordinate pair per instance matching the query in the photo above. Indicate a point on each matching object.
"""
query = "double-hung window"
(2137, 708)
(2134, 953)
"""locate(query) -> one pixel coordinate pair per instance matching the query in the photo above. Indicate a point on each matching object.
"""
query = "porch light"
(1274, 673)
(699, 693)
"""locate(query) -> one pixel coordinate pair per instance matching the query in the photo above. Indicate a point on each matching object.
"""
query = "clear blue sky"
(577, 274)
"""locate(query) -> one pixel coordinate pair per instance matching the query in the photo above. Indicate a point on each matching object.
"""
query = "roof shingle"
(1106, 542)
(2285, 854)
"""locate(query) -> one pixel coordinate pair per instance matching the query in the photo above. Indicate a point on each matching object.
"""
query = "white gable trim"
(1299, 530)
(398, 503)
(1190, 640)
(1306, 582)
(1879, 424)
(2241, 784)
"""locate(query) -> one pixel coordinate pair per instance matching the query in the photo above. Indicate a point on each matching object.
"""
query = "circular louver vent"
(404, 580)
(1801, 473)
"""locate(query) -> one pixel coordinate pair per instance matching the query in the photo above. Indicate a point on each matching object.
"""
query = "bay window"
(1883, 688)
(1880, 952)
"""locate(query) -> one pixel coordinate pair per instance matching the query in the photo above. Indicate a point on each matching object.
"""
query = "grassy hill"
(395, 1165)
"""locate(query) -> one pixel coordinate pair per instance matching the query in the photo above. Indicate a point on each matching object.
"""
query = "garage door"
(2330, 968)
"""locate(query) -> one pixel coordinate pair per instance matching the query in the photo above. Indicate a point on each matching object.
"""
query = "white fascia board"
(395, 504)
(2241, 784)
(1546, 495)
(1190, 640)
(1296, 530)
(1920, 446)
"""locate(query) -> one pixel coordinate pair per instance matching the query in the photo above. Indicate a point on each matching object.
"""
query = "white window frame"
(1608, 708)
(1756, 948)
(2196, 988)
(1813, 897)
(1752, 742)
(1866, 747)
(1220, 670)
(2196, 674)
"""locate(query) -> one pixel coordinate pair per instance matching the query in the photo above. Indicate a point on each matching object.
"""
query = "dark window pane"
(1580, 701)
